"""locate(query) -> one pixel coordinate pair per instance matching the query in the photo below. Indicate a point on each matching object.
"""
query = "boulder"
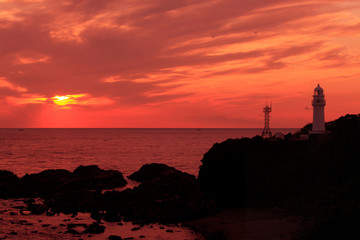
(10, 186)
(46, 181)
(92, 177)
(162, 179)
(165, 194)
(95, 228)
(114, 237)
(150, 171)
(53, 181)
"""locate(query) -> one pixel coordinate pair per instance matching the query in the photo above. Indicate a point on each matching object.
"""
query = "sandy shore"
(248, 224)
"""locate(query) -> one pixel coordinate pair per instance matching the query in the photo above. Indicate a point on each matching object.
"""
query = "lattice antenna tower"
(266, 133)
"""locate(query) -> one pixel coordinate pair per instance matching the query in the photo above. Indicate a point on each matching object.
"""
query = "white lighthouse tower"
(318, 103)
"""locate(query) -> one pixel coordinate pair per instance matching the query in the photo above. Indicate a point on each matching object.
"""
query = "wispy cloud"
(148, 54)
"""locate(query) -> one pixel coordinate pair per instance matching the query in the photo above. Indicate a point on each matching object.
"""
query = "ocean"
(33, 150)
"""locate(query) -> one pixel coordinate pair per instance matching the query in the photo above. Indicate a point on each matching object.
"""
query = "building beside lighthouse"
(318, 103)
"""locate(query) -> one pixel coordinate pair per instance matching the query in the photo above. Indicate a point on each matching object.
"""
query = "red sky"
(178, 63)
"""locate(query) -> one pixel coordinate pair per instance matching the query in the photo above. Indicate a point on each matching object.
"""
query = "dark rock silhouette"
(114, 237)
(46, 181)
(92, 177)
(165, 195)
(151, 171)
(169, 195)
(84, 177)
(253, 172)
(318, 179)
(10, 185)
(161, 178)
(95, 228)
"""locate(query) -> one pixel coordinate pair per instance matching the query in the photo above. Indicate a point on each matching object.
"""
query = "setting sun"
(62, 100)
(66, 100)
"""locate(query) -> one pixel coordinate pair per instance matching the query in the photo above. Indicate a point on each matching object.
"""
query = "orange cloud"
(189, 63)
(26, 99)
(6, 84)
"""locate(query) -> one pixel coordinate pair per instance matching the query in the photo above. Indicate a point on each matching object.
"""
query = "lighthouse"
(318, 103)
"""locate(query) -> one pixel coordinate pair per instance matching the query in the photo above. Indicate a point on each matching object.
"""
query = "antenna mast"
(266, 133)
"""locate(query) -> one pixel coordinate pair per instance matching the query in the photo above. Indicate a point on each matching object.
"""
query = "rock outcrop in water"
(46, 182)
(165, 195)
(56, 181)
(10, 185)
(82, 178)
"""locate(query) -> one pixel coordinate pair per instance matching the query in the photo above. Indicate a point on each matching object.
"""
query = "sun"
(63, 100)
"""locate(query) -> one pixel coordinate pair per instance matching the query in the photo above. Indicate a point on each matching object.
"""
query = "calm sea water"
(33, 150)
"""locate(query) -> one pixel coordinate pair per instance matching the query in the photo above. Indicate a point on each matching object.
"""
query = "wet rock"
(46, 181)
(29, 200)
(74, 201)
(37, 209)
(150, 171)
(93, 177)
(168, 196)
(96, 215)
(112, 216)
(71, 228)
(74, 225)
(114, 237)
(10, 186)
(72, 231)
(95, 228)
(25, 212)
(215, 236)
(56, 181)
(22, 222)
(50, 213)
(19, 207)
(161, 178)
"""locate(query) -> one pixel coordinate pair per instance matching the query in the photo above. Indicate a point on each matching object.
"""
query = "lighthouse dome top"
(318, 90)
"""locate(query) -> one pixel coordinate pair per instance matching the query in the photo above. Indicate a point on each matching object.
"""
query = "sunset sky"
(176, 63)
